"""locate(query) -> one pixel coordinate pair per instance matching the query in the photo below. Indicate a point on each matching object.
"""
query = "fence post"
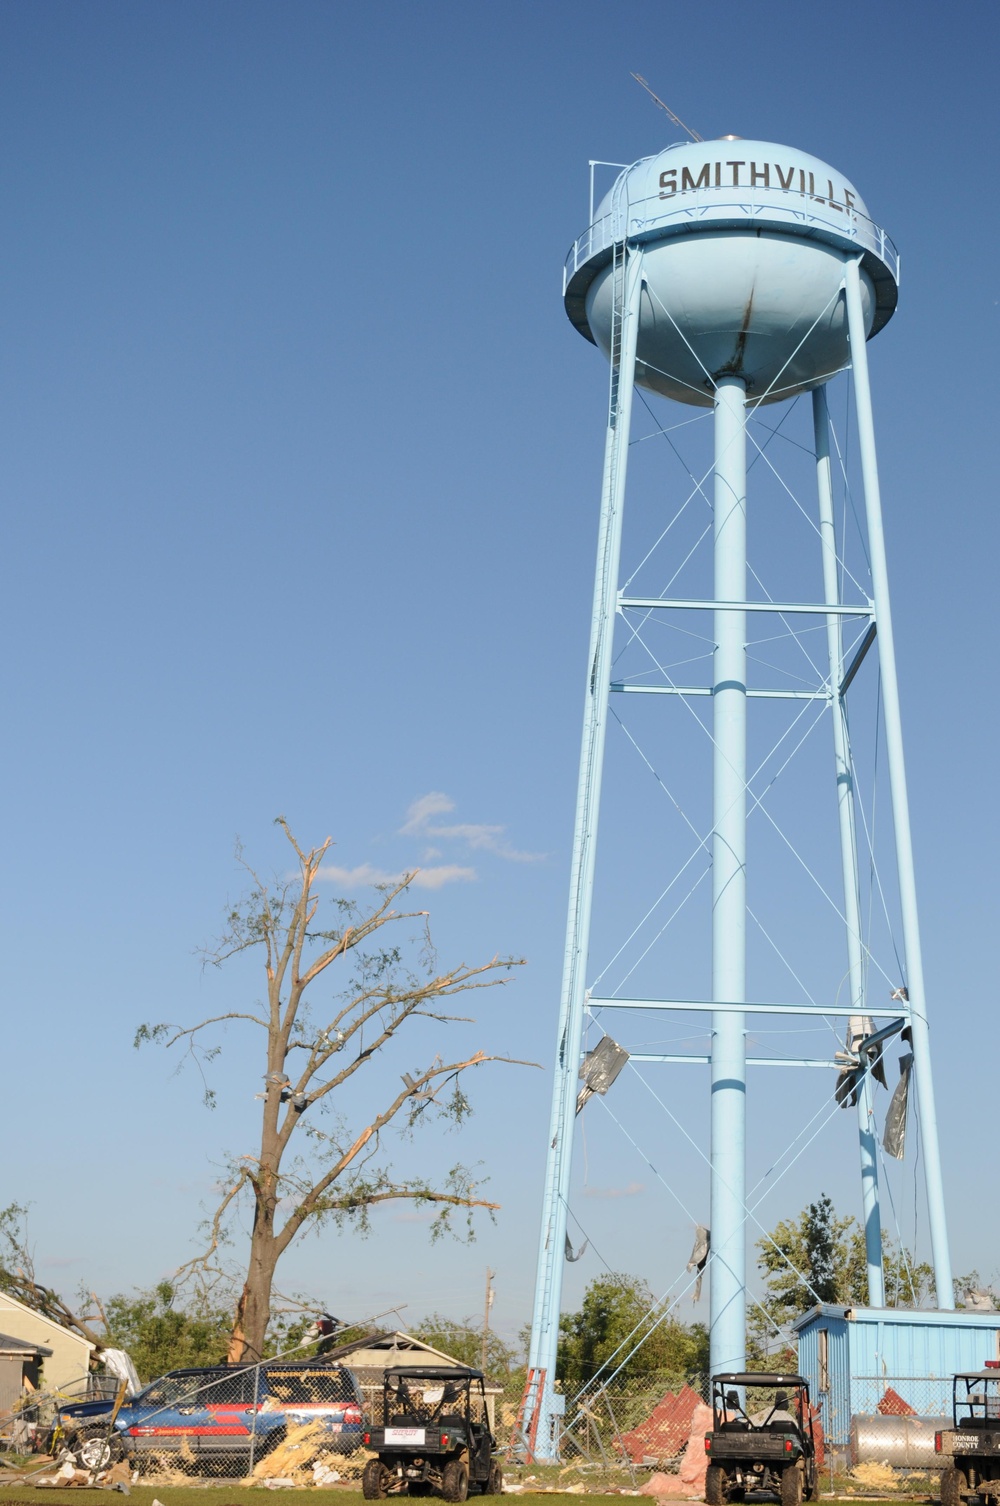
(255, 1409)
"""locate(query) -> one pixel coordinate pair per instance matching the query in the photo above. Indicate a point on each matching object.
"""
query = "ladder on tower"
(528, 1414)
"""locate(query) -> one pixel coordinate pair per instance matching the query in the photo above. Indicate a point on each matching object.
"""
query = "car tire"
(791, 1486)
(373, 1481)
(716, 1485)
(455, 1480)
(953, 1487)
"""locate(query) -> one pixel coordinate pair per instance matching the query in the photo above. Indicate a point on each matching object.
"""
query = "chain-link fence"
(304, 1422)
(299, 1421)
(610, 1435)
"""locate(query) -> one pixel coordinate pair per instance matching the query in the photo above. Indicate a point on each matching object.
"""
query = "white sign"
(405, 1435)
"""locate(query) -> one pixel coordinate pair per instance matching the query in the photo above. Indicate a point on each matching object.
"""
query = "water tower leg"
(848, 842)
(558, 1167)
(900, 803)
(727, 1329)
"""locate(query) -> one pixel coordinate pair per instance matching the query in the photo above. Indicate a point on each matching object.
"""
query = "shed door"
(10, 1383)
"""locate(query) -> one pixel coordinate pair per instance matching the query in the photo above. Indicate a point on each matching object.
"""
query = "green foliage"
(818, 1257)
(162, 1336)
(620, 1310)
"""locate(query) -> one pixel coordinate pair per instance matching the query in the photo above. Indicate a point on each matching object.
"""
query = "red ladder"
(531, 1404)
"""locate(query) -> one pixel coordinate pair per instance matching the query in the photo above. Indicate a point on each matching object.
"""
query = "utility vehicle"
(972, 1444)
(435, 1436)
(763, 1442)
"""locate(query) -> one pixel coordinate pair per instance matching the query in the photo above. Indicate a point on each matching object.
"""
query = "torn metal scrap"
(570, 1256)
(699, 1257)
(894, 1135)
(599, 1069)
(861, 1054)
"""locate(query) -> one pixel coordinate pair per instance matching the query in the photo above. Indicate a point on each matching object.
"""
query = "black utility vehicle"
(973, 1443)
(435, 1436)
(765, 1443)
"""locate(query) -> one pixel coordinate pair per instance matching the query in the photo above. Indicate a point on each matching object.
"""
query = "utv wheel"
(455, 1480)
(716, 1485)
(791, 1486)
(953, 1487)
(374, 1481)
(811, 1490)
(493, 1485)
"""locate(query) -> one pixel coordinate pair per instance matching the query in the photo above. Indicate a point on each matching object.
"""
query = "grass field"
(215, 1495)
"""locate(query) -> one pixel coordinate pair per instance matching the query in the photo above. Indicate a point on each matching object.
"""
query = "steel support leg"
(728, 1266)
(848, 842)
(548, 1284)
(900, 802)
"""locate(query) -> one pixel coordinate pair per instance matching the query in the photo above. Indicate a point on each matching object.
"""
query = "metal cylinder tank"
(901, 1442)
(743, 258)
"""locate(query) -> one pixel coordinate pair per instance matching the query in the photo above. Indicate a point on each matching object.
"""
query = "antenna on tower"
(658, 101)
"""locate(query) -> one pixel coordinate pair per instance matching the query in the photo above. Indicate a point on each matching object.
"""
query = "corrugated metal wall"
(934, 1347)
(829, 1382)
(915, 1354)
(917, 1358)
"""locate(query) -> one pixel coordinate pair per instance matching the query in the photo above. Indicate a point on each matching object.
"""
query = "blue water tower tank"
(743, 245)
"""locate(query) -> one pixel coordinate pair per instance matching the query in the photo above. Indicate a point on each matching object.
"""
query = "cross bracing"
(684, 628)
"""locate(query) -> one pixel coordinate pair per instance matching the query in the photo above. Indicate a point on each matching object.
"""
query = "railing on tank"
(648, 218)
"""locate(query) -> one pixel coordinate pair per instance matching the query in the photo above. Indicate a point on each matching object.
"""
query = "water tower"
(727, 276)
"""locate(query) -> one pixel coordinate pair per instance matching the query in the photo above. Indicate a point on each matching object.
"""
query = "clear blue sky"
(300, 469)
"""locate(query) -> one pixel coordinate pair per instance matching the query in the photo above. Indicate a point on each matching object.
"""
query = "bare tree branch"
(342, 1175)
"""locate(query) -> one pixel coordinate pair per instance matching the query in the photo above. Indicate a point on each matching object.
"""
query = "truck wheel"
(374, 1482)
(716, 1491)
(493, 1485)
(98, 1450)
(953, 1487)
(455, 1480)
(791, 1486)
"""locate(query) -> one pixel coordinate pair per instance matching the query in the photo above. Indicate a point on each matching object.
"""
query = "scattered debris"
(875, 1476)
(893, 1405)
(67, 1475)
(304, 1449)
(666, 1430)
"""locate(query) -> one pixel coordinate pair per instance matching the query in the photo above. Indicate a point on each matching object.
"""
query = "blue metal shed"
(853, 1356)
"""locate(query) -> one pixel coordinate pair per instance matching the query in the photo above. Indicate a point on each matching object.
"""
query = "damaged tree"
(304, 1175)
(18, 1278)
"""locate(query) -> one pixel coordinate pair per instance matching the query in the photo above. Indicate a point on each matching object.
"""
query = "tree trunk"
(253, 1310)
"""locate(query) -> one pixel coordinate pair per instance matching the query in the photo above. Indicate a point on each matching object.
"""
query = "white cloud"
(366, 874)
(420, 812)
(479, 837)
(444, 873)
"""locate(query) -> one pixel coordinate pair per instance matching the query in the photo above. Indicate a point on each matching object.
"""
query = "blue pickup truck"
(220, 1420)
